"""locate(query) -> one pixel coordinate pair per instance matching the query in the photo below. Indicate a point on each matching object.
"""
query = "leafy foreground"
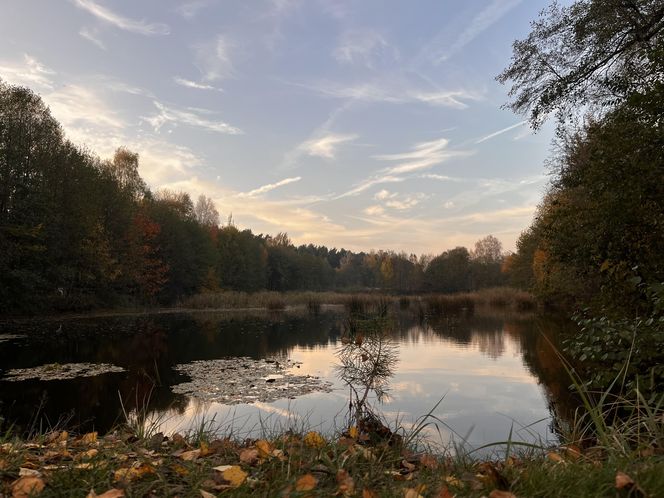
(292, 465)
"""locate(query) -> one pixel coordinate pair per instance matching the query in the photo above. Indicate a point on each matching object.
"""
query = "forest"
(78, 232)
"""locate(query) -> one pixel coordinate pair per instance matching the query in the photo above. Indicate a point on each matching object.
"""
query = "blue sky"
(357, 124)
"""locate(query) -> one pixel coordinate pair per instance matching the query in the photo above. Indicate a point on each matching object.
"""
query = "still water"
(495, 373)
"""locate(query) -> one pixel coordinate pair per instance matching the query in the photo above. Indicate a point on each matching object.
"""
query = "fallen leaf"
(429, 461)
(89, 438)
(111, 493)
(233, 474)
(86, 455)
(314, 440)
(264, 448)
(346, 484)
(353, 432)
(27, 486)
(306, 483)
(496, 493)
(444, 493)
(179, 469)
(453, 481)
(572, 452)
(407, 465)
(367, 493)
(555, 457)
(205, 449)
(249, 456)
(133, 473)
(206, 494)
(623, 480)
(23, 472)
(190, 455)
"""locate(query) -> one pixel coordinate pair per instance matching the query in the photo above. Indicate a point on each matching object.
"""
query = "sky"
(357, 124)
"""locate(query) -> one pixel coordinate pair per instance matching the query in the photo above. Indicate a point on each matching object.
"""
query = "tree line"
(598, 235)
(79, 232)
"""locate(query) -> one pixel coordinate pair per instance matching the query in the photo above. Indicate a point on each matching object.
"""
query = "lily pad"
(246, 380)
(57, 371)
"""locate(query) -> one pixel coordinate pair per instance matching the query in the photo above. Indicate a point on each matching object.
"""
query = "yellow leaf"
(89, 438)
(133, 473)
(179, 469)
(555, 457)
(354, 432)
(264, 448)
(233, 474)
(453, 481)
(314, 440)
(86, 455)
(27, 486)
(306, 483)
(111, 493)
(205, 449)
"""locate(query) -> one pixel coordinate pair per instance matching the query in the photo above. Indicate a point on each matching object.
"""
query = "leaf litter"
(246, 380)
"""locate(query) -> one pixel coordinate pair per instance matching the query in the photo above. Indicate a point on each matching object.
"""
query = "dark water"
(493, 372)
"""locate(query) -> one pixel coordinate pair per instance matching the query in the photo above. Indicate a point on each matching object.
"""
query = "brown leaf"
(414, 492)
(27, 486)
(249, 456)
(367, 493)
(555, 457)
(496, 493)
(190, 455)
(444, 493)
(572, 452)
(407, 465)
(111, 493)
(345, 483)
(623, 480)
(429, 461)
(207, 494)
(306, 483)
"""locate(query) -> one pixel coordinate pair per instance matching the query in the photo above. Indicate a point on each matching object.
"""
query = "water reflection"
(493, 371)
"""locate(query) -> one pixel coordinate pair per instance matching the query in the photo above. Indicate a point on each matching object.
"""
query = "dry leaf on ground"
(27, 486)
(233, 474)
(249, 456)
(345, 483)
(306, 483)
(190, 455)
(314, 440)
(207, 494)
(111, 493)
(623, 480)
(133, 473)
(414, 492)
(367, 493)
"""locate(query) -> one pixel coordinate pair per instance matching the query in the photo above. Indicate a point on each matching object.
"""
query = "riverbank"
(357, 463)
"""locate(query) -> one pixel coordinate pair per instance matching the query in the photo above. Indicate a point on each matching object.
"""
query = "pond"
(495, 373)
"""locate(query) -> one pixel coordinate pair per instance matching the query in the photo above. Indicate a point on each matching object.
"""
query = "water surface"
(495, 373)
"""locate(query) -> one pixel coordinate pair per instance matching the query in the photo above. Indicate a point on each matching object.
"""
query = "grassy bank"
(293, 465)
(499, 298)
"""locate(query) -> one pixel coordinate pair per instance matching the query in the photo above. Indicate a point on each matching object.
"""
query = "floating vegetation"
(57, 371)
(246, 380)
(11, 337)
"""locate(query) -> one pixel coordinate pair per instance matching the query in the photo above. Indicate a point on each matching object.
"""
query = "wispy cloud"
(92, 36)
(189, 117)
(28, 73)
(366, 184)
(108, 16)
(188, 10)
(364, 46)
(213, 58)
(422, 155)
(193, 84)
(396, 94)
(500, 132)
(326, 145)
(481, 22)
(270, 186)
